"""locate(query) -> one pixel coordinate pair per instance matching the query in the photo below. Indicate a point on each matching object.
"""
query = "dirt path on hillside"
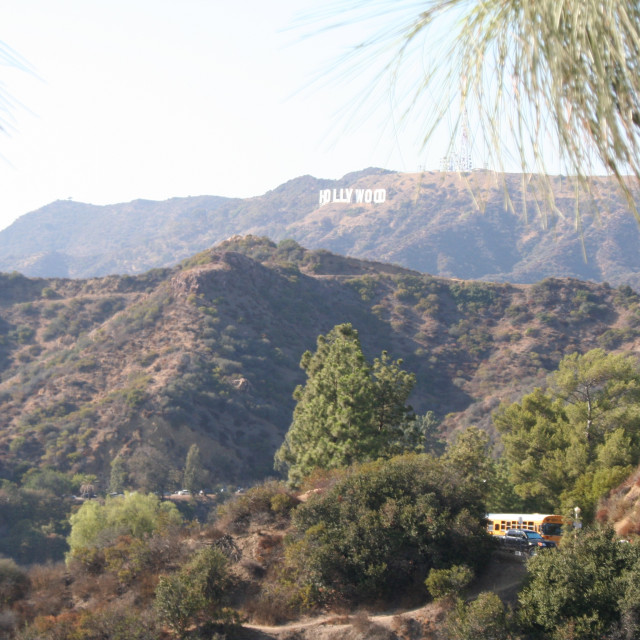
(503, 576)
(351, 627)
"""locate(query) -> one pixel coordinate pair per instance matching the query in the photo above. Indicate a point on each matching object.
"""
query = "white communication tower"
(460, 159)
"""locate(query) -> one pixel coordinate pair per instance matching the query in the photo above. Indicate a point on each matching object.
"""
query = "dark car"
(524, 542)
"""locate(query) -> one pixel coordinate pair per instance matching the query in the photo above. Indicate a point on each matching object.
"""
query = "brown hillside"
(480, 225)
(621, 508)
(208, 351)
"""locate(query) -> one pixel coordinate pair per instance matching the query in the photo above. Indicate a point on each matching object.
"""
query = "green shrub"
(95, 526)
(585, 590)
(475, 297)
(198, 592)
(178, 601)
(381, 527)
(443, 583)
(263, 504)
(57, 482)
(33, 524)
(22, 334)
(282, 503)
(17, 443)
(135, 397)
(481, 619)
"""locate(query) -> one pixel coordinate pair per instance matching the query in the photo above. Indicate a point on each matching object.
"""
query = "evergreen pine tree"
(193, 471)
(348, 411)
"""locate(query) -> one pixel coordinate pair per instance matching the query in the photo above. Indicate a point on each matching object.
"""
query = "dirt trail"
(347, 627)
(503, 576)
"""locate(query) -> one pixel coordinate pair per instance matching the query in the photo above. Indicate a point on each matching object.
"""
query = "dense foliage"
(33, 523)
(567, 446)
(196, 593)
(444, 583)
(382, 526)
(375, 526)
(270, 502)
(14, 583)
(209, 354)
(96, 525)
(194, 474)
(587, 590)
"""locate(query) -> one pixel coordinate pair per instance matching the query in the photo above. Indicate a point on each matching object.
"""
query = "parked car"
(524, 542)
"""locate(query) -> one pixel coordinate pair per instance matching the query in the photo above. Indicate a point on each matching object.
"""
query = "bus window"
(551, 529)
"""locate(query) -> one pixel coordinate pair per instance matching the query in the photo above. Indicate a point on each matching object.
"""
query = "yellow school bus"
(549, 526)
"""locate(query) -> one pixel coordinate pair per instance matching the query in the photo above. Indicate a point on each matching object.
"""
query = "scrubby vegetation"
(381, 527)
(207, 353)
(184, 380)
(196, 593)
(376, 534)
(33, 522)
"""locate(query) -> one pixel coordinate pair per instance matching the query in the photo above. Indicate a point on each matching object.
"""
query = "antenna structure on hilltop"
(460, 159)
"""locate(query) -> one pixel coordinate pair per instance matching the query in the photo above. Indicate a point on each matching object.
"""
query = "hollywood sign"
(364, 196)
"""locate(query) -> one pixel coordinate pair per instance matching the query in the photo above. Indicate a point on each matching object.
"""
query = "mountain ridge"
(208, 351)
(470, 226)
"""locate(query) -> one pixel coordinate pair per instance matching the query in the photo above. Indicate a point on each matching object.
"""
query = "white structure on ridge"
(459, 159)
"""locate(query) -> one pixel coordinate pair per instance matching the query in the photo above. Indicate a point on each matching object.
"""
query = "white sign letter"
(379, 195)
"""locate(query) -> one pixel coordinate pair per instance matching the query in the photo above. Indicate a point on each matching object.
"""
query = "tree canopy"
(194, 474)
(568, 445)
(348, 410)
(382, 526)
(587, 589)
(96, 525)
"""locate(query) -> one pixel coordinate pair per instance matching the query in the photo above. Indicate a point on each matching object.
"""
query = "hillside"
(208, 351)
(474, 226)
(621, 508)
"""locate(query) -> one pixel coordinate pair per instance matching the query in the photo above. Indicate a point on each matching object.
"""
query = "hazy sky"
(160, 98)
